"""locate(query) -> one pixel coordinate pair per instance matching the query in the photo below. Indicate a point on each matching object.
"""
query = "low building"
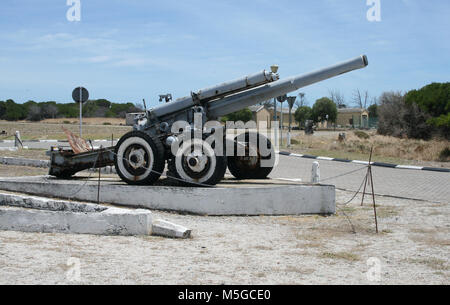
(262, 113)
(353, 117)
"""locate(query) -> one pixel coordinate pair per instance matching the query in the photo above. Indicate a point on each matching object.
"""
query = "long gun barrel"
(251, 97)
(236, 95)
(213, 93)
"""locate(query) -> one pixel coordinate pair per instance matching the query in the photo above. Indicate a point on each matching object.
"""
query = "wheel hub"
(197, 161)
(136, 158)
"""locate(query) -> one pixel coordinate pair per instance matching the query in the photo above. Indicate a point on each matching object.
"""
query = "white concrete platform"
(248, 198)
(35, 214)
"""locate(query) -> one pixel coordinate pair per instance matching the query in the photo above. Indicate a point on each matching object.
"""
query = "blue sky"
(126, 50)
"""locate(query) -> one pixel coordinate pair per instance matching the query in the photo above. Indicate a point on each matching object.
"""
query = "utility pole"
(281, 99)
(274, 69)
(80, 95)
(291, 101)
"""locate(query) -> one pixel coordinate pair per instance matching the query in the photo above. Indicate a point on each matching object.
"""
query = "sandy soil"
(18, 171)
(52, 131)
(413, 248)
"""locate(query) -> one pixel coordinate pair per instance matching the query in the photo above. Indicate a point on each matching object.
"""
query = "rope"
(345, 174)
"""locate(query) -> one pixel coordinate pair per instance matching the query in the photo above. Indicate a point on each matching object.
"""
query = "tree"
(29, 104)
(361, 98)
(373, 111)
(2, 109)
(103, 103)
(14, 112)
(70, 110)
(34, 113)
(243, 115)
(322, 108)
(49, 110)
(301, 101)
(302, 114)
(434, 100)
(338, 98)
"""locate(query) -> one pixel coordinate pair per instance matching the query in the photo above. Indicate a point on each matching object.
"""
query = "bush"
(362, 135)
(444, 156)
(399, 119)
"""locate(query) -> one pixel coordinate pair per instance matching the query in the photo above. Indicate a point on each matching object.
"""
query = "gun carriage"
(141, 155)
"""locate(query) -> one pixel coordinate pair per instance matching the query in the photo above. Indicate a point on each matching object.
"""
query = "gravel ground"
(412, 248)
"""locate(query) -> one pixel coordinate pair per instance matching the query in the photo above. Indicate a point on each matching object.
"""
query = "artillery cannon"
(158, 137)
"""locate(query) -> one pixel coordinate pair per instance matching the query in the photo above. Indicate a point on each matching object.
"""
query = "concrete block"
(168, 229)
(24, 162)
(34, 214)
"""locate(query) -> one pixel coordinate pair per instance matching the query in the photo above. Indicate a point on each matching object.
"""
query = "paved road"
(424, 185)
(432, 186)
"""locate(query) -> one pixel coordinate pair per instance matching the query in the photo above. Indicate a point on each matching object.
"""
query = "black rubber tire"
(218, 174)
(242, 172)
(158, 162)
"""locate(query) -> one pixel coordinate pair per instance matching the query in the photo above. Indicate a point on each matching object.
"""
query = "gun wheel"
(250, 161)
(139, 158)
(197, 164)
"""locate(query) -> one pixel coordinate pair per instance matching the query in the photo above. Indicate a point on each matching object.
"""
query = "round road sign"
(80, 95)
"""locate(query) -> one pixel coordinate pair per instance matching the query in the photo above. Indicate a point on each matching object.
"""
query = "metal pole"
(374, 202)
(290, 123)
(99, 174)
(81, 113)
(276, 120)
(281, 114)
(370, 176)
(366, 181)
